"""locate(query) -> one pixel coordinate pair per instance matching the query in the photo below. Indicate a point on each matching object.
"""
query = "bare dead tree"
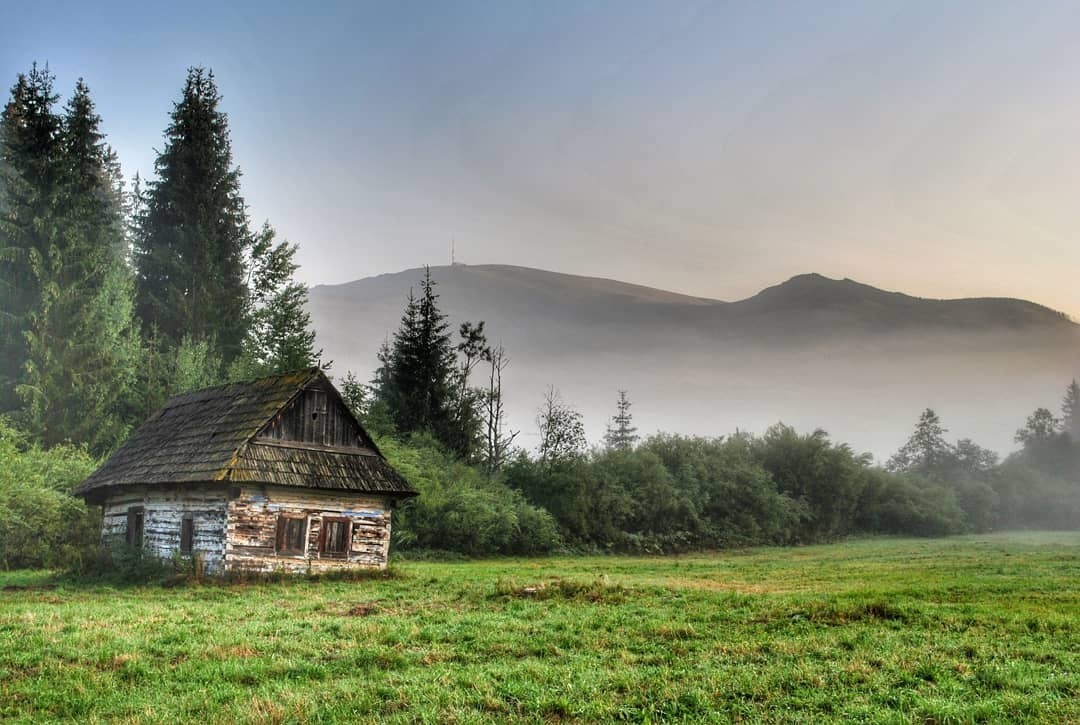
(497, 438)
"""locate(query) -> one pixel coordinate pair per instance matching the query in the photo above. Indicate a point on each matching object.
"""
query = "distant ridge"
(830, 306)
(815, 293)
(812, 351)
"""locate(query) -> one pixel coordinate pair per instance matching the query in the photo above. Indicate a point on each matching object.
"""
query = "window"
(291, 535)
(135, 526)
(336, 537)
(187, 534)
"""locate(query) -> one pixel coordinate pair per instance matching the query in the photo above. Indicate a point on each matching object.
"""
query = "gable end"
(317, 416)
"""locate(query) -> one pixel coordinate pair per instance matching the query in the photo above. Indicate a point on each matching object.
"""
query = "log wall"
(251, 536)
(163, 512)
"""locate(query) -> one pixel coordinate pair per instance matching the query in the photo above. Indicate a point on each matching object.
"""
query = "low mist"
(858, 362)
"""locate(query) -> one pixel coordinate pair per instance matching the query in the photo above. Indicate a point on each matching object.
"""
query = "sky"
(711, 148)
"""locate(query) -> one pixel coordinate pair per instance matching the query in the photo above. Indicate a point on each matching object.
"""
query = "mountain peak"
(813, 290)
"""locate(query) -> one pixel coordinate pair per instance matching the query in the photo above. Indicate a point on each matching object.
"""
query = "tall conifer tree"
(193, 234)
(621, 433)
(30, 177)
(1070, 411)
(416, 376)
(82, 345)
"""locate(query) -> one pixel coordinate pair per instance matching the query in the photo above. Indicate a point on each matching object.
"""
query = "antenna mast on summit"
(453, 249)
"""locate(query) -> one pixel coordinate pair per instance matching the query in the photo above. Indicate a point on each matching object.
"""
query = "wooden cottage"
(272, 474)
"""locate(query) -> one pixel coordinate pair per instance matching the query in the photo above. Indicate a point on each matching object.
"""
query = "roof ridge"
(248, 382)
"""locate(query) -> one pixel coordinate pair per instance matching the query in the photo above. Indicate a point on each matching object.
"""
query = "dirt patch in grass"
(234, 652)
(710, 585)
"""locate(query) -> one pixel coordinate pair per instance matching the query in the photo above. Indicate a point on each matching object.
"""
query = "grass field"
(967, 629)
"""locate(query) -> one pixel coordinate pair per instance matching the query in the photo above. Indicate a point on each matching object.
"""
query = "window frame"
(324, 550)
(281, 538)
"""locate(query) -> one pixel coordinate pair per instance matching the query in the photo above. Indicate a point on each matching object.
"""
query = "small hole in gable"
(315, 416)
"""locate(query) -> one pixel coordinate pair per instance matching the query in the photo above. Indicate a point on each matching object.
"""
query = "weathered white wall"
(252, 528)
(163, 510)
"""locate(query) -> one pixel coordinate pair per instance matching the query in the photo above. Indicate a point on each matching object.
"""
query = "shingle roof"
(209, 435)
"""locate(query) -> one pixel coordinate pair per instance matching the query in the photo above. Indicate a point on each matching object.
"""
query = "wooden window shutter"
(135, 526)
(187, 534)
(280, 537)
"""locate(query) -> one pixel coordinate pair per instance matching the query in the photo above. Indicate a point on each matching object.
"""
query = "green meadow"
(966, 629)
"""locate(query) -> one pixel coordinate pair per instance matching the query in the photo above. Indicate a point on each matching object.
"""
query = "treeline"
(672, 493)
(113, 298)
(676, 493)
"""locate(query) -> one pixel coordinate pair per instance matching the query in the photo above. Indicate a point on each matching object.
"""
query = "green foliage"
(1070, 411)
(196, 366)
(926, 452)
(41, 524)
(621, 433)
(416, 369)
(280, 338)
(811, 469)
(75, 366)
(422, 384)
(370, 411)
(907, 504)
(676, 493)
(1036, 487)
(1031, 494)
(465, 430)
(562, 432)
(736, 499)
(1040, 427)
(31, 171)
(193, 233)
(460, 509)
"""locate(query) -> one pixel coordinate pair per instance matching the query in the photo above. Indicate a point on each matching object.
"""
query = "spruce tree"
(621, 434)
(1070, 411)
(415, 380)
(31, 167)
(82, 344)
(193, 234)
(396, 375)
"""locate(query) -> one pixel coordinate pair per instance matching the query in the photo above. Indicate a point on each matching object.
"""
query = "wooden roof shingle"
(210, 435)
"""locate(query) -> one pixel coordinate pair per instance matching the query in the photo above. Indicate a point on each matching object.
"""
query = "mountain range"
(859, 361)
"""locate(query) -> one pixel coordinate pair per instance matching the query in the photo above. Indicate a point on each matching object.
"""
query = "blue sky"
(707, 147)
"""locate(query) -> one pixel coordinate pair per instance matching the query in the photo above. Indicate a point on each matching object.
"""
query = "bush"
(41, 524)
(1032, 498)
(907, 504)
(460, 509)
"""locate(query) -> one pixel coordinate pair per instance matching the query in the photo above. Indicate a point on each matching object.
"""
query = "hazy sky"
(706, 147)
